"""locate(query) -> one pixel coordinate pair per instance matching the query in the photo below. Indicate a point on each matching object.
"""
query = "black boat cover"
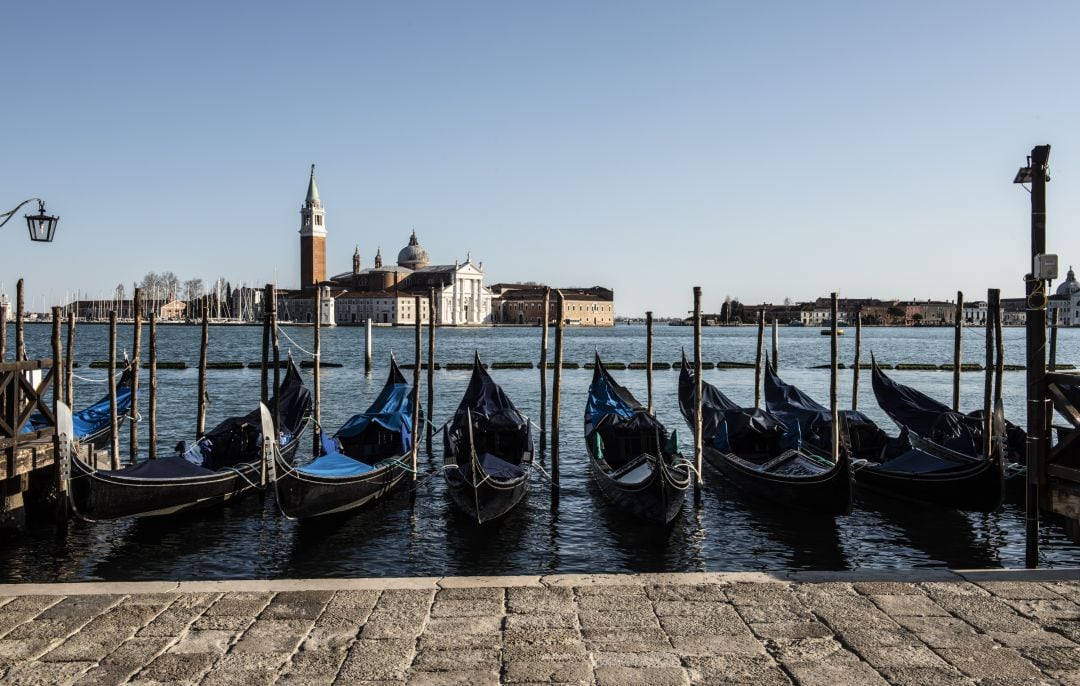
(612, 410)
(727, 427)
(497, 424)
(937, 422)
(793, 406)
(171, 467)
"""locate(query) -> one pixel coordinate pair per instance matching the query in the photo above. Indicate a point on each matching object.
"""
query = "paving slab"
(837, 628)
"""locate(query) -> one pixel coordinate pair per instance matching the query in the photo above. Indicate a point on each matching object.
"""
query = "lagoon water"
(578, 531)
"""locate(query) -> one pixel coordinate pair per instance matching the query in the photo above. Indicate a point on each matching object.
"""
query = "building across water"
(524, 304)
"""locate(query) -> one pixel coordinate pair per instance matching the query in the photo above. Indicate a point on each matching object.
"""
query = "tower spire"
(312, 190)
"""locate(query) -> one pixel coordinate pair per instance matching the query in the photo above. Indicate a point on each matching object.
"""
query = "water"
(581, 533)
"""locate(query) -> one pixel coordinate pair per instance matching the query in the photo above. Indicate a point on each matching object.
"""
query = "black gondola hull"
(977, 488)
(829, 493)
(301, 496)
(488, 501)
(657, 499)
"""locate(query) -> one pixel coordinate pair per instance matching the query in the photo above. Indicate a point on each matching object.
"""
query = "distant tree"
(170, 285)
(787, 302)
(917, 318)
(120, 293)
(193, 290)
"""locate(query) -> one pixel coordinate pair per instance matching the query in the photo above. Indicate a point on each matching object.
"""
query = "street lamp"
(41, 226)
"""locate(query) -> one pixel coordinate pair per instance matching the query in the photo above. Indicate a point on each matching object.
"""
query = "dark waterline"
(580, 532)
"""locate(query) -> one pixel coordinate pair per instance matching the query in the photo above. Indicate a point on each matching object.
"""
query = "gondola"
(224, 464)
(906, 466)
(363, 461)
(93, 426)
(488, 450)
(937, 422)
(762, 455)
(634, 461)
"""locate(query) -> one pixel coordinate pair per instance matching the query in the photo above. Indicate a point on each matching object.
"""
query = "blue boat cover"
(94, 418)
(333, 462)
(392, 410)
(814, 420)
(604, 399)
(172, 467)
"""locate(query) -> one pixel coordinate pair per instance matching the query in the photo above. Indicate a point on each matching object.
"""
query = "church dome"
(412, 255)
(1069, 285)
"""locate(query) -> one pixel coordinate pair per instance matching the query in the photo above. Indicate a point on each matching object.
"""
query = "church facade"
(384, 293)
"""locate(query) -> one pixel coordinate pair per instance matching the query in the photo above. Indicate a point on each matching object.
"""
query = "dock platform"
(913, 627)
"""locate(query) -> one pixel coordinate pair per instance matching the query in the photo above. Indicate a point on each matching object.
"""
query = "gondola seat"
(634, 472)
(499, 468)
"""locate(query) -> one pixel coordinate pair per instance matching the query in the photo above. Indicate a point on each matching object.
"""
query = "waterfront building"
(98, 310)
(975, 313)
(524, 304)
(1066, 301)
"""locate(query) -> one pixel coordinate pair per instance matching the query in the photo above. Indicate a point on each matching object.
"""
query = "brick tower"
(312, 238)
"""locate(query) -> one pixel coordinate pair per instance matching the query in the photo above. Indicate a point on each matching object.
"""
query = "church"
(384, 293)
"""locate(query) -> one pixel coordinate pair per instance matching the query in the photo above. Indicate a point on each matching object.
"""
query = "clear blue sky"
(760, 150)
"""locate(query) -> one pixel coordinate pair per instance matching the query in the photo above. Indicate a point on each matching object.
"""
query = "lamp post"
(41, 226)
(1035, 173)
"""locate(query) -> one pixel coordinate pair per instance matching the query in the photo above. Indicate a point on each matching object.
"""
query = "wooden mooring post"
(69, 360)
(204, 344)
(114, 439)
(858, 355)
(136, 346)
(958, 352)
(648, 360)
(545, 321)
(775, 346)
(20, 322)
(698, 387)
(60, 510)
(992, 301)
(316, 435)
(430, 370)
(416, 386)
(264, 364)
(556, 387)
(834, 404)
(757, 359)
(367, 346)
(277, 359)
(152, 410)
(3, 332)
(999, 354)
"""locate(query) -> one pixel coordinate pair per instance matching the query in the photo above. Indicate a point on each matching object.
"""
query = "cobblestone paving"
(943, 628)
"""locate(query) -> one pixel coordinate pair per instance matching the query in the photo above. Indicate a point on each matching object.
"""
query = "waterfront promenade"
(907, 627)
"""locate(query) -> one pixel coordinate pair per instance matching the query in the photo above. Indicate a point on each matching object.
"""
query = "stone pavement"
(921, 627)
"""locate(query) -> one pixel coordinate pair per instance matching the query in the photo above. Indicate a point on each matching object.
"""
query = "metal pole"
(430, 368)
(544, 321)
(114, 441)
(698, 388)
(648, 359)
(153, 386)
(834, 404)
(200, 421)
(136, 345)
(958, 357)
(1036, 357)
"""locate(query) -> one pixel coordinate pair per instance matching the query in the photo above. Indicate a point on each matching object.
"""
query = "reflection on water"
(579, 531)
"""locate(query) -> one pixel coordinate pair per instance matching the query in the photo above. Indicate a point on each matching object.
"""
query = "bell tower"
(312, 238)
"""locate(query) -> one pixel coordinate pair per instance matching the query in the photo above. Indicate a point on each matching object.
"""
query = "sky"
(761, 151)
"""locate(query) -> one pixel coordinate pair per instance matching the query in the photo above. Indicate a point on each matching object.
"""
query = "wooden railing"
(19, 400)
(1063, 460)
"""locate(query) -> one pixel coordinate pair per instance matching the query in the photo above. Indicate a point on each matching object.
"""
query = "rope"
(689, 466)
(89, 380)
(433, 473)
(239, 473)
(546, 475)
(301, 348)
